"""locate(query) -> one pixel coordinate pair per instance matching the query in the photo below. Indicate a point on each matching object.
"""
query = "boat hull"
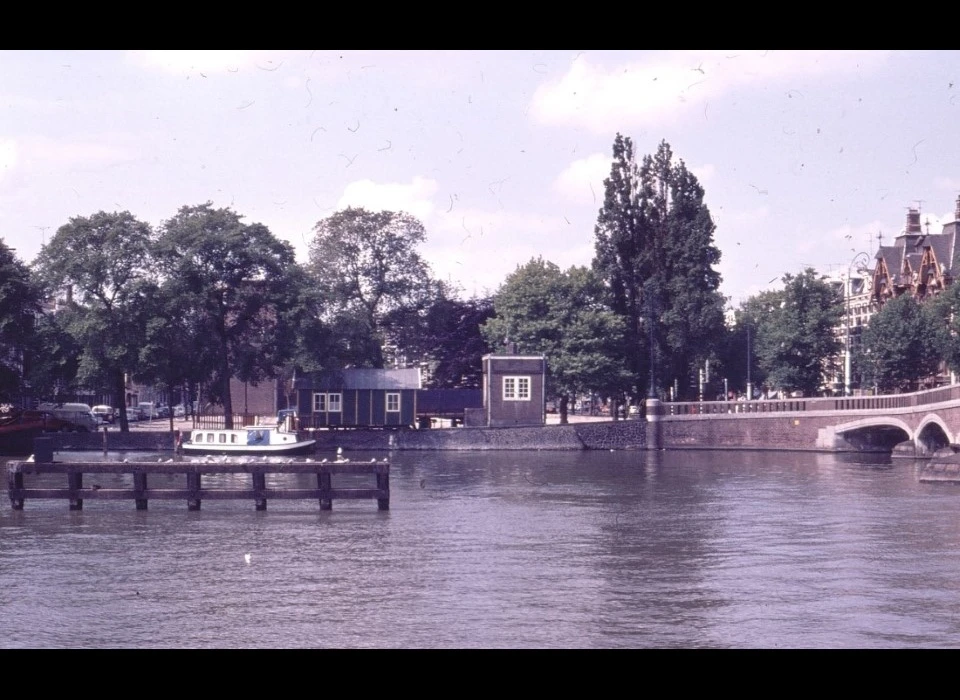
(251, 440)
(296, 448)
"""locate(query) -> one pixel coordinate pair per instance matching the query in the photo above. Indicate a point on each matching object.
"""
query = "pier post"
(383, 482)
(324, 484)
(15, 481)
(259, 485)
(140, 486)
(654, 427)
(193, 486)
(75, 483)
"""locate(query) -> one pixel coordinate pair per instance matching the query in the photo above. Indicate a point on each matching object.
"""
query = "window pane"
(333, 401)
(523, 388)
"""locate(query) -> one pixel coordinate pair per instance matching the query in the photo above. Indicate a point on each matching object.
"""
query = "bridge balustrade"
(844, 403)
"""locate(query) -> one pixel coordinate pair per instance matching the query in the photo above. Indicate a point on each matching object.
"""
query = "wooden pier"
(195, 492)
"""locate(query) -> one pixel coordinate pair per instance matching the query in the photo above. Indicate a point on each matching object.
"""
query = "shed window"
(516, 388)
(393, 403)
(327, 403)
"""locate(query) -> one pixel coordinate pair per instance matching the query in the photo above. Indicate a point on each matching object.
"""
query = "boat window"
(198, 437)
(209, 437)
(233, 438)
(223, 437)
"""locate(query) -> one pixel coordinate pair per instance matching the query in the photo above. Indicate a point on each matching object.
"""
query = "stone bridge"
(917, 423)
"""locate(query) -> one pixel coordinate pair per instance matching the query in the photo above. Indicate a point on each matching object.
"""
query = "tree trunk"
(120, 397)
(563, 409)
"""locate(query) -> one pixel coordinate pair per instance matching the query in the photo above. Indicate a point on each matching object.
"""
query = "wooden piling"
(196, 492)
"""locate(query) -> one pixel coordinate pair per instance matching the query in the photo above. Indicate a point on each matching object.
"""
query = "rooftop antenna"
(43, 232)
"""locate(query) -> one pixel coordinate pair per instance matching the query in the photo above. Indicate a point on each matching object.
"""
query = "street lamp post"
(863, 260)
(749, 383)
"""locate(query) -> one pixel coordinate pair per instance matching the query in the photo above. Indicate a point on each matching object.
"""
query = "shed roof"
(362, 378)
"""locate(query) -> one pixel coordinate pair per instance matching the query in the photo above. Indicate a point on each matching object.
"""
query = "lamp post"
(863, 260)
(749, 383)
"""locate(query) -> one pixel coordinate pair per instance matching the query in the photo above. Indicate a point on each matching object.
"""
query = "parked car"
(179, 411)
(163, 411)
(79, 414)
(106, 414)
(148, 410)
(51, 421)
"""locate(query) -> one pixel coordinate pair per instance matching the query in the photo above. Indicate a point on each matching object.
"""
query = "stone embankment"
(605, 435)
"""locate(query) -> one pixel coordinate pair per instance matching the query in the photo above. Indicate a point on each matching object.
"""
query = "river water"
(509, 550)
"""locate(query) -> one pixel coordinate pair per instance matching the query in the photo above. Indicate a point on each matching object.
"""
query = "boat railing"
(219, 421)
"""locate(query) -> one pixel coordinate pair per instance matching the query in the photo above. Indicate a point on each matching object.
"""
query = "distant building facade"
(918, 263)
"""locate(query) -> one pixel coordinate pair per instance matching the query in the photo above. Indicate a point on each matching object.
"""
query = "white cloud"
(703, 173)
(947, 183)
(577, 179)
(413, 198)
(655, 89)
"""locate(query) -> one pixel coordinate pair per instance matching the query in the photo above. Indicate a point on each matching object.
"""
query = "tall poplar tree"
(654, 249)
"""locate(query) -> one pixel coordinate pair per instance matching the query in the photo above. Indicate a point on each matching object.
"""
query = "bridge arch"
(875, 432)
(932, 434)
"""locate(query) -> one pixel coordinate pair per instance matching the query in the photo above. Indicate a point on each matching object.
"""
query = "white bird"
(246, 558)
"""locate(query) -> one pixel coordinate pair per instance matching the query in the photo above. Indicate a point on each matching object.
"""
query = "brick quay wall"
(606, 435)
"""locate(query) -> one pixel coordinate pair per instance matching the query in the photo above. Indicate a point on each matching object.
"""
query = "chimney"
(913, 221)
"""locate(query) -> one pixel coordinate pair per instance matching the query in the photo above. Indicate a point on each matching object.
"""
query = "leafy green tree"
(52, 357)
(898, 348)
(102, 263)
(654, 249)
(19, 308)
(944, 325)
(562, 315)
(240, 283)
(795, 341)
(445, 336)
(367, 266)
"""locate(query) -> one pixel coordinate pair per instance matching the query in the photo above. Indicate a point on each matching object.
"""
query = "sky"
(806, 158)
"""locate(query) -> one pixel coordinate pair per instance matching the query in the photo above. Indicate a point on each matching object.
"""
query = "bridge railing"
(841, 403)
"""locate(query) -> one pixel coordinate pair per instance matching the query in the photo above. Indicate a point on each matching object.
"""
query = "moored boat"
(248, 440)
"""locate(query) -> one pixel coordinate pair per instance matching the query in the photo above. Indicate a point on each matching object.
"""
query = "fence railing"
(830, 403)
(219, 421)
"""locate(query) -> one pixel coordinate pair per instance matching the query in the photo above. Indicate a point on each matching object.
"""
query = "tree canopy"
(795, 337)
(237, 281)
(654, 250)
(19, 307)
(543, 310)
(368, 268)
(102, 265)
(898, 347)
